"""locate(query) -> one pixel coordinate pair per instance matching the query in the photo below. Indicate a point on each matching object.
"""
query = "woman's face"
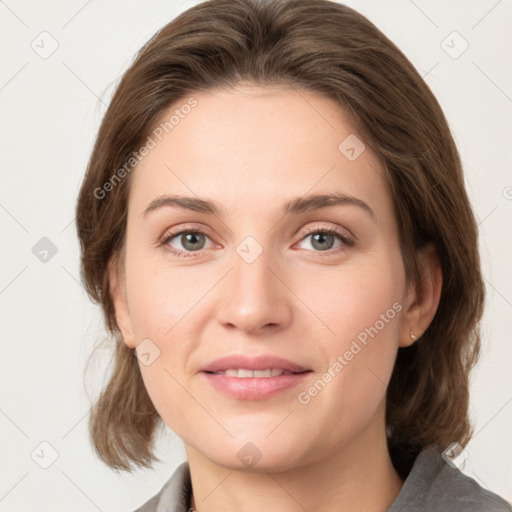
(264, 279)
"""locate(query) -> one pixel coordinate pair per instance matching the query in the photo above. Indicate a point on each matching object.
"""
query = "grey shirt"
(432, 485)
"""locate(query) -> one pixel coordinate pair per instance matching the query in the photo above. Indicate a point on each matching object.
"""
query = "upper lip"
(252, 363)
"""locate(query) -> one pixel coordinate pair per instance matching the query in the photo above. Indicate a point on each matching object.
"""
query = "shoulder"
(150, 505)
(174, 496)
(433, 484)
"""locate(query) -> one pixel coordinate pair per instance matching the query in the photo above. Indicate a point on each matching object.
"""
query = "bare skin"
(252, 150)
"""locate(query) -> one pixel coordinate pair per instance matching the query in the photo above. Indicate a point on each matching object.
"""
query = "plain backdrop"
(51, 107)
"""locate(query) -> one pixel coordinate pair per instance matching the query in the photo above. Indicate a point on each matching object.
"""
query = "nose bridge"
(253, 297)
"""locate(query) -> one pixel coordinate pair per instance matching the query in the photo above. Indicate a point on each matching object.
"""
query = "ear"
(423, 298)
(118, 295)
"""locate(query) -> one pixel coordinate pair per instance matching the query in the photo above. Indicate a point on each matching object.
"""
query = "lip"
(254, 388)
(252, 363)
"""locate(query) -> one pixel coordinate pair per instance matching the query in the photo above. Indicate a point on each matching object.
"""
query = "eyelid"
(329, 229)
(188, 228)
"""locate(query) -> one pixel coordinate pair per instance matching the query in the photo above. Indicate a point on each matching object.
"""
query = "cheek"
(161, 304)
(363, 295)
(362, 308)
(159, 297)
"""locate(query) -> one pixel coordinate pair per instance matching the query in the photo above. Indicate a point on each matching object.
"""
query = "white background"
(50, 112)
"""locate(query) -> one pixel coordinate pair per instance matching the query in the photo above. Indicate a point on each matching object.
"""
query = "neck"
(358, 476)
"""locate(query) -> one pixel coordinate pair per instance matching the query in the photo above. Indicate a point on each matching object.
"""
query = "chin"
(258, 456)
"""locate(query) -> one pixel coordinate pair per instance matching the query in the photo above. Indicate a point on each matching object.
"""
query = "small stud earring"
(411, 334)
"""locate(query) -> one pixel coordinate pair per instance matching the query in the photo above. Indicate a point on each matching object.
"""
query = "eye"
(324, 239)
(186, 241)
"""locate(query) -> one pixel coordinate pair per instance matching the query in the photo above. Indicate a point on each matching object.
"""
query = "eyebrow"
(294, 206)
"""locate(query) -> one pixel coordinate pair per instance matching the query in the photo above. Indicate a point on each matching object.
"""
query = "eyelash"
(347, 241)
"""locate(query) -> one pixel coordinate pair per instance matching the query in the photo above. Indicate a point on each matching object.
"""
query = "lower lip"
(254, 388)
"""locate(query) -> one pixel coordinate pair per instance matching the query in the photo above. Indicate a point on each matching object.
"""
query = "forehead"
(257, 146)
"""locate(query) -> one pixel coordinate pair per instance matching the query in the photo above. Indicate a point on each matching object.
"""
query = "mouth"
(241, 377)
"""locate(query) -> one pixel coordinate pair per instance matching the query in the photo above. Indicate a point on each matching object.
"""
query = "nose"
(254, 297)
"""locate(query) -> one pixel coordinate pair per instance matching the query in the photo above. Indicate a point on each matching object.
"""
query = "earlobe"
(118, 297)
(423, 298)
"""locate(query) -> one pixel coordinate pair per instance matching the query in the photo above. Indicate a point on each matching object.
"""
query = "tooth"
(247, 373)
(262, 373)
(243, 372)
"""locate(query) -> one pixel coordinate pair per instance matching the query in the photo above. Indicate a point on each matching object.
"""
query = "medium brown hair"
(330, 49)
